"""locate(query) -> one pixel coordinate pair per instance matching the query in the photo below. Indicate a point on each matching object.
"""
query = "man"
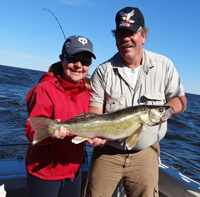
(133, 76)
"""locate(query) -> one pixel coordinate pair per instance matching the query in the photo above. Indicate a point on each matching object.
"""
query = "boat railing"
(181, 160)
(85, 154)
(14, 144)
(21, 156)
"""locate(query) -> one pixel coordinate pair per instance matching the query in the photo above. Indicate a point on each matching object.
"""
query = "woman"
(53, 165)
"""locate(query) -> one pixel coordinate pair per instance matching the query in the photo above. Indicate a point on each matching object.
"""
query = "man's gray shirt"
(157, 83)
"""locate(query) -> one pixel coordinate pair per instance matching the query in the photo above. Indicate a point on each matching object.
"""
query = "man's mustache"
(127, 44)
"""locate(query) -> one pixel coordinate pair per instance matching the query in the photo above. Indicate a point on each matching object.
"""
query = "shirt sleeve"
(174, 86)
(98, 94)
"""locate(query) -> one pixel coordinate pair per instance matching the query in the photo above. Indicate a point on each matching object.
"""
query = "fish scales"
(119, 127)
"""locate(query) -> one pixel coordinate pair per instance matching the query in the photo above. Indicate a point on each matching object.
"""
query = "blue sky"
(31, 37)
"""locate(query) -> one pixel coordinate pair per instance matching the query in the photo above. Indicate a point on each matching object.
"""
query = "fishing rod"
(195, 167)
(56, 20)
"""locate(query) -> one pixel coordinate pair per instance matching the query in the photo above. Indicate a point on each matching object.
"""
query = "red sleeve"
(38, 105)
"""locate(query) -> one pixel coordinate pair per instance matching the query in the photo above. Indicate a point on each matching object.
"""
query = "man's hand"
(97, 141)
(179, 104)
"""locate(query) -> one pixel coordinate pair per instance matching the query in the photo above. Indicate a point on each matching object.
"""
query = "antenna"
(56, 19)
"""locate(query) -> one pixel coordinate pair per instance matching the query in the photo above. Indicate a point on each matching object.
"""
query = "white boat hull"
(171, 183)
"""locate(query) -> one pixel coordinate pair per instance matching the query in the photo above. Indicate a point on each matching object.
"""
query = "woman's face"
(74, 72)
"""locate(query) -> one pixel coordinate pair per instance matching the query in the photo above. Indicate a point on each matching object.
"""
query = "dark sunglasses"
(121, 34)
(85, 61)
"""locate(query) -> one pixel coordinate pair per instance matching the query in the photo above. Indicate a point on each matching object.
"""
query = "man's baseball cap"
(75, 44)
(130, 18)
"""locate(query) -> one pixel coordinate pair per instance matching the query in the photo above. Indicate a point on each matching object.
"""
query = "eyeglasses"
(85, 61)
(122, 34)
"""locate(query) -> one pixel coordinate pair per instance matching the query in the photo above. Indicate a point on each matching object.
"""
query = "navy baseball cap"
(75, 44)
(130, 18)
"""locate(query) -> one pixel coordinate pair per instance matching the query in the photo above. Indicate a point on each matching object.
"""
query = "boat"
(172, 183)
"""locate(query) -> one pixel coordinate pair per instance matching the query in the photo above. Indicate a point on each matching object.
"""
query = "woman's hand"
(61, 133)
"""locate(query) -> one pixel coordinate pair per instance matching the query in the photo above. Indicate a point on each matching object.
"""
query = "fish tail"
(41, 127)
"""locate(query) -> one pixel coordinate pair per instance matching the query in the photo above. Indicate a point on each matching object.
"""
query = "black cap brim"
(133, 28)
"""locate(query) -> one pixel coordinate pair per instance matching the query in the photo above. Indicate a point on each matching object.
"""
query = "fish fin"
(41, 127)
(132, 139)
(81, 115)
(78, 139)
(122, 139)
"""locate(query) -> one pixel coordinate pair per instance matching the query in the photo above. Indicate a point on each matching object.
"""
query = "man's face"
(129, 45)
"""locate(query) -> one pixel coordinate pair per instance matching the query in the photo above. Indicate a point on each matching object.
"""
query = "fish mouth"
(167, 115)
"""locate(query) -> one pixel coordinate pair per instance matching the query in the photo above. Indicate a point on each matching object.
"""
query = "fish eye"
(161, 109)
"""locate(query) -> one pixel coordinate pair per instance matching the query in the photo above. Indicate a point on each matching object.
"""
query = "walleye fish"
(117, 125)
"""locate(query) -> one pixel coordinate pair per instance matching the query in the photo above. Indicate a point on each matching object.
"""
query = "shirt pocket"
(155, 98)
(114, 103)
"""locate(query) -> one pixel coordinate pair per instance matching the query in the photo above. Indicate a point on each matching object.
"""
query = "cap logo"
(82, 40)
(126, 17)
